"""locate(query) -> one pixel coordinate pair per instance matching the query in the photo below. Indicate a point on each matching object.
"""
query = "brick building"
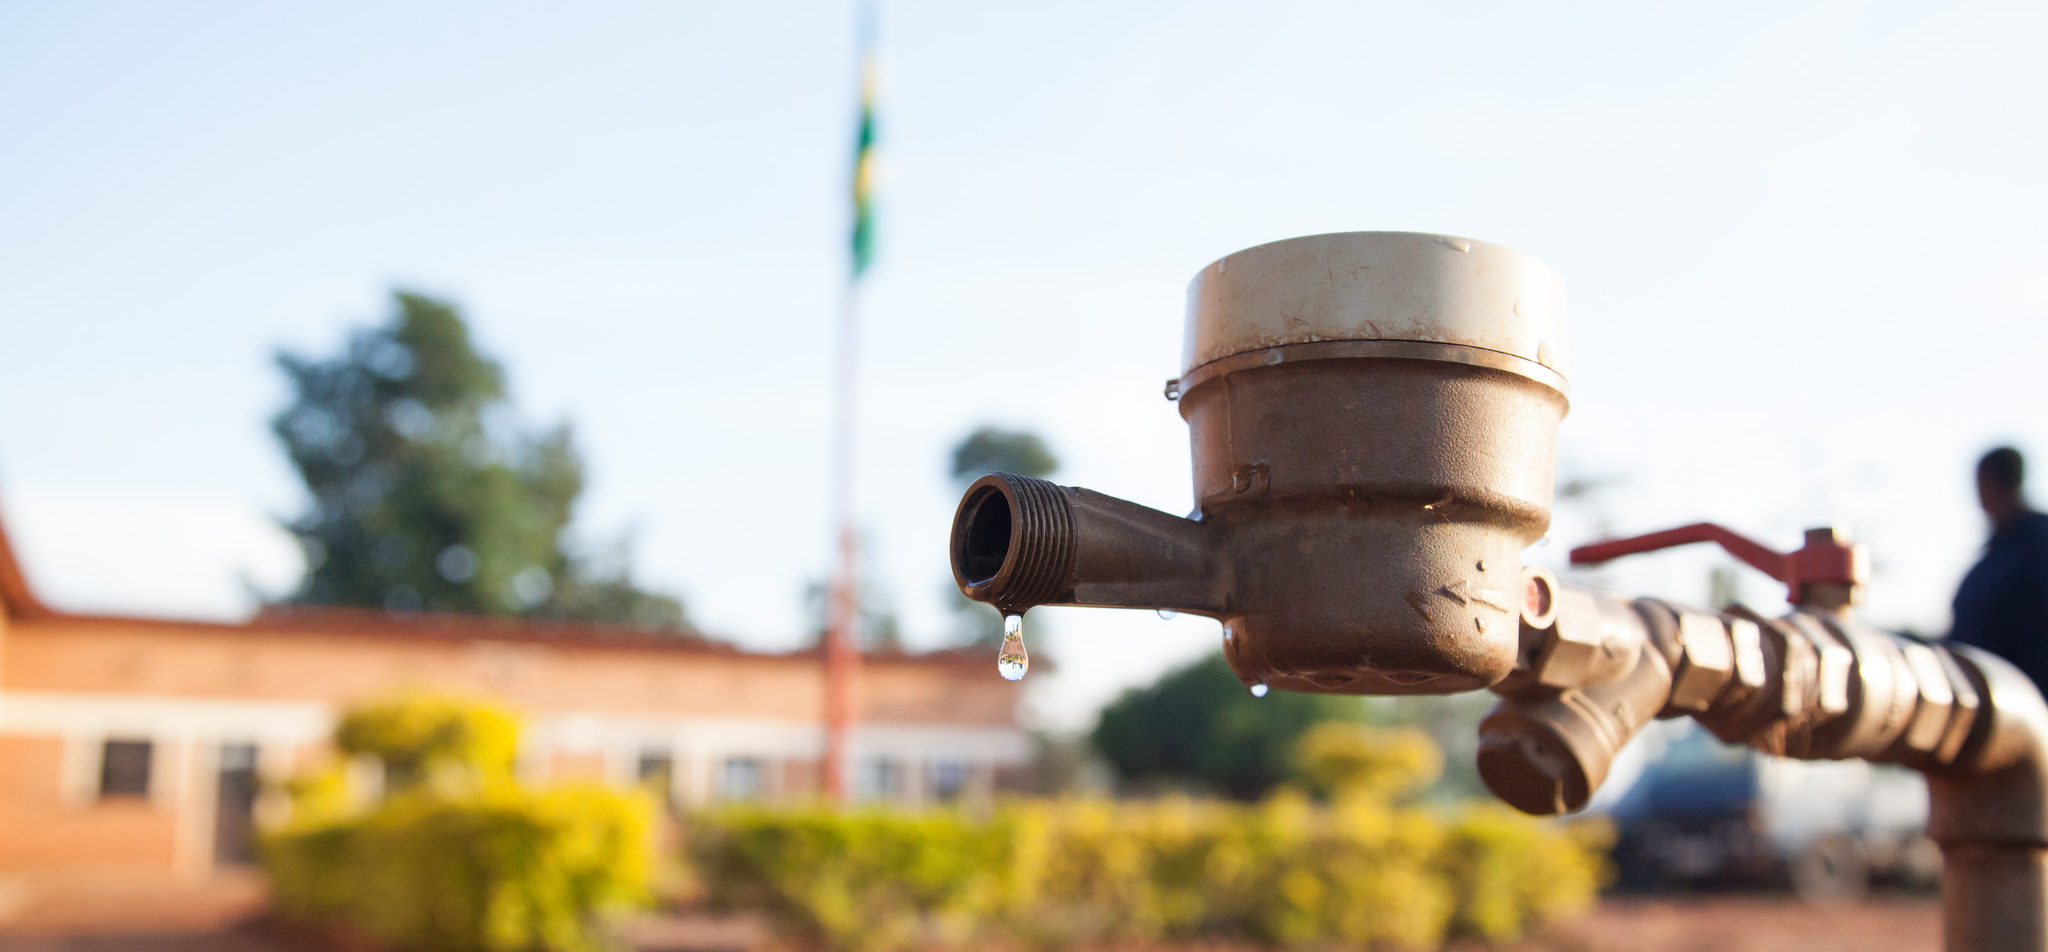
(134, 749)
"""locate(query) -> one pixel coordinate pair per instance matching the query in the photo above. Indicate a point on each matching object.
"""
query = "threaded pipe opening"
(1013, 541)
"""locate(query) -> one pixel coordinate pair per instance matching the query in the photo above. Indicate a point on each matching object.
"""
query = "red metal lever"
(1826, 558)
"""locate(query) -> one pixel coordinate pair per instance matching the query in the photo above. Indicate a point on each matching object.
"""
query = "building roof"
(19, 601)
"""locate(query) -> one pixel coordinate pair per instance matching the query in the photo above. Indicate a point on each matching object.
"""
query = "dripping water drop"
(1259, 689)
(1168, 613)
(1011, 660)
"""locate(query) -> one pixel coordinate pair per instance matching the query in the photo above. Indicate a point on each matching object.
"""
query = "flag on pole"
(864, 150)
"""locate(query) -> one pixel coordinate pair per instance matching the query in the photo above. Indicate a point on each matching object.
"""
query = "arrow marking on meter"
(1462, 592)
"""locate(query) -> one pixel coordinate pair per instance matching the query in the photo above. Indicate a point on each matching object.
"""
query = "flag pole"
(842, 657)
(842, 634)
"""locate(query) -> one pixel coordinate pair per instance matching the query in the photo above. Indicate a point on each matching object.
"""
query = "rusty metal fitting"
(1996, 790)
(1829, 570)
(1837, 670)
(1746, 638)
(1574, 640)
(1817, 684)
(1591, 635)
(1883, 694)
(1934, 726)
(1547, 751)
(1705, 663)
(1966, 706)
(1814, 684)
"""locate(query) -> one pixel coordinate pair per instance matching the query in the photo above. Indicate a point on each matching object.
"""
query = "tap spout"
(1020, 542)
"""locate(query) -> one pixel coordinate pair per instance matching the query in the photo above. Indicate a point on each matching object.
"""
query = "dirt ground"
(1750, 924)
(1747, 923)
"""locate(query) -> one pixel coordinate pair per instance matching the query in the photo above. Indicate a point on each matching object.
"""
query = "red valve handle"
(1826, 558)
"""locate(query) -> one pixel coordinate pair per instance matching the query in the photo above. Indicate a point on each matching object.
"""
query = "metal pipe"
(1991, 818)
(1811, 685)
(1020, 542)
(1992, 897)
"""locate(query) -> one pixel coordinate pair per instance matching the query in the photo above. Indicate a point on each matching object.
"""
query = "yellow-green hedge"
(1283, 872)
(503, 869)
(457, 856)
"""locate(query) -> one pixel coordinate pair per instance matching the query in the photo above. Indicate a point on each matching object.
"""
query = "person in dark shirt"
(2002, 605)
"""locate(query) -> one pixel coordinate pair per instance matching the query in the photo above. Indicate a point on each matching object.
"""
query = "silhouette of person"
(2002, 605)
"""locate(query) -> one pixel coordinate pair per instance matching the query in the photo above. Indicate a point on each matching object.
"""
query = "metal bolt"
(1706, 661)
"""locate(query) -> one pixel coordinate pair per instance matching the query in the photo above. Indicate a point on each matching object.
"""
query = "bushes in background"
(1359, 869)
(457, 857)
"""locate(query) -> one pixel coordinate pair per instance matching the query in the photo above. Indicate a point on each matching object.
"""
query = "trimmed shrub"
(1284, 872)
(1510, 873)
(459, 858)
(446, 741)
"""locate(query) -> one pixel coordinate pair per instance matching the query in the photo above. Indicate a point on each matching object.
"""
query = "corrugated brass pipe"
(1814, 685)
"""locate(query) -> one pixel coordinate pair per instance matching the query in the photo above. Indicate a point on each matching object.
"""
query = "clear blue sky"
(1802, 243)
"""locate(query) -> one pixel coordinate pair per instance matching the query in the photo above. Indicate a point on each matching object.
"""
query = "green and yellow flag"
(864, 150)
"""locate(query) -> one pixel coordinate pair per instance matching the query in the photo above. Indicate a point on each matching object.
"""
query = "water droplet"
(1011, 660)
(1168, 614)
(1259, 689)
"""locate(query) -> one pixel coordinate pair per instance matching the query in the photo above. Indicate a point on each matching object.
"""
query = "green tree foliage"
(994, 450)
(1199, 727)
(457, 856)
(427, 493)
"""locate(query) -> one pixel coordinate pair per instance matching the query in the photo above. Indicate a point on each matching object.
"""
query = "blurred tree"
(991, 450)
(879, 629)
(1198, 726)
(427, 494)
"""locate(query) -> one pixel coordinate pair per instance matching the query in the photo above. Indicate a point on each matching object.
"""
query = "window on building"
(657, 771)
(880, 779)
(124, 768)
(949, 778)
(234, 822)
(238, 758)
(741, 779)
